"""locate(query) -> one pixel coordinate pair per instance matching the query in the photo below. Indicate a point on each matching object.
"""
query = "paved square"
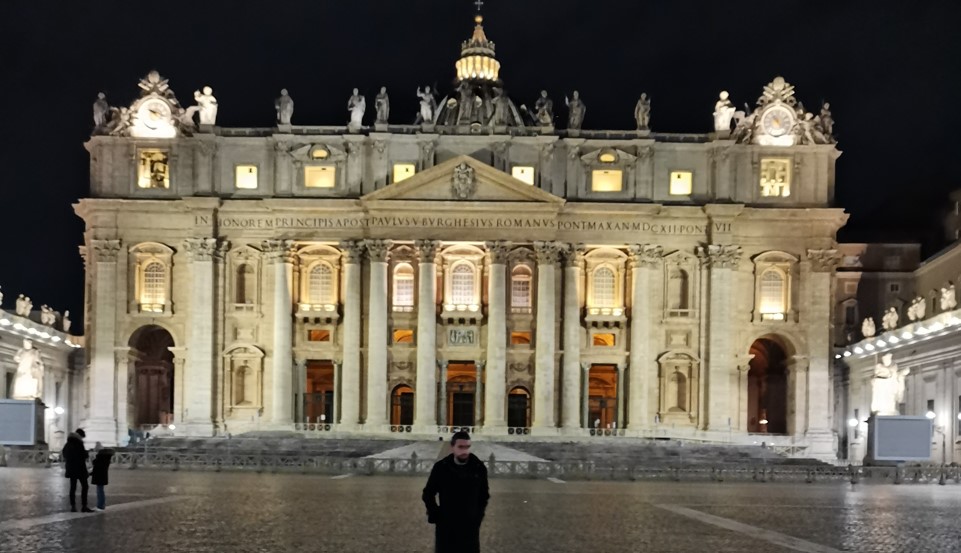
(247, 512)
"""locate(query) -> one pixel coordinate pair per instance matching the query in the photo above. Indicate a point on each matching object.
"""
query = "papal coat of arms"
(463, 184)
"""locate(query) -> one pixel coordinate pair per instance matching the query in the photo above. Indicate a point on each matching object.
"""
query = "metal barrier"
(571, 470)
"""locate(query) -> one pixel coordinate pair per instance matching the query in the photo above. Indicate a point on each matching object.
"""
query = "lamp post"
(939, 429)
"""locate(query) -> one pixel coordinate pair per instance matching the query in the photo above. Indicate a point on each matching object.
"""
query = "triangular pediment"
(463, 179)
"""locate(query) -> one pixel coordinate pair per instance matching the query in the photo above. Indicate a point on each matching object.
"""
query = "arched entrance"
(602, 396)
(461, 393)
(402, 405)
(767, 396)
(519, 408)
(152, 381)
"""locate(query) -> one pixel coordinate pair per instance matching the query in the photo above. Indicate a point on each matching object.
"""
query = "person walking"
(75, 461)
(460, 479)
(101, 464)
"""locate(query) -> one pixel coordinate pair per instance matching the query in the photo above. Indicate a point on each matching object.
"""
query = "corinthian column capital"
(378, 250)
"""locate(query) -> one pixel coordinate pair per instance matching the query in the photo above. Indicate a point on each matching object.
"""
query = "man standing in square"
(460, 479)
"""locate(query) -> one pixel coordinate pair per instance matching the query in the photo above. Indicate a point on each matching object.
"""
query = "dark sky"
(891, 70)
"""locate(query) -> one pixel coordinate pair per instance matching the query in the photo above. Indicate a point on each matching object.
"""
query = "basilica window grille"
(321, 284)
(604, 289)
(521, 289)
(462, 285)
(153, 293)
(775, 177)
(772, 295)
(403, 287)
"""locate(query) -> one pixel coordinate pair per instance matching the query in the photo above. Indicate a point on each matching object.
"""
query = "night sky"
(891, 70)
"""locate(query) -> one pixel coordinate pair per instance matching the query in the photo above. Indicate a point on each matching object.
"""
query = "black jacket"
(463, 492)
(100, 465)
(75, 457)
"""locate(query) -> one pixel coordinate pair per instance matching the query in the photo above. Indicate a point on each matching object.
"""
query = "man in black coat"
(460, 479)
(75, 461)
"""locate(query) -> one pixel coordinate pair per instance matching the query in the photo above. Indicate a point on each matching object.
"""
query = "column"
(377, 400)
(479, 394)
(124, 361)
(199, 393)
(300, 372)
(642, 375)
(585, 396)
(338, 364)
(179, 360)
(442, 393)
(571, 377)
(282, 256)
(721, 262)
(817, 280)
(495, 415)
(353, 254)
(544, 361)
(797, 398)
(425, 407)
(620, 394)
(102, 424)
(743, 367)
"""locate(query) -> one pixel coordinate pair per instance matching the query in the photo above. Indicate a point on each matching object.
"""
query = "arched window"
(604, 288)
(403, 287)
(321, 284)
(521, 288)
(154, 291)
(246, 284)
(772, 298)
(678, 292)
(462, 284)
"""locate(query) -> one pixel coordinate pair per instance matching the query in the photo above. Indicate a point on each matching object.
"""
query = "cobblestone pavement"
(198, 512)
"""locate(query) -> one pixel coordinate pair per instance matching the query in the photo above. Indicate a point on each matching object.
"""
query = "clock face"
(154, 114)
(777, 121)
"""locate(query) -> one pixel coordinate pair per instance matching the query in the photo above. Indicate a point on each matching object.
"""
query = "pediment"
(463, 179)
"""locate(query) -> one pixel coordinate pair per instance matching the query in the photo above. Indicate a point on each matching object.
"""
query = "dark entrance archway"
(402, 405)
(767, 396)
(602, 396)
(519, 408)
(152, 381)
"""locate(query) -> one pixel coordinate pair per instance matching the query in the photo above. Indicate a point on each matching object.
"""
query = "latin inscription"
(453, 222)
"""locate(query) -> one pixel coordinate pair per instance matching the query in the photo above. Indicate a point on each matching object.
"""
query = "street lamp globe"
(931, 415)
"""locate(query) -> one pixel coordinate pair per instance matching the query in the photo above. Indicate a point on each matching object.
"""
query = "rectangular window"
(523, 173)
(520, 338)
(403, 171)
(153, 170)
(318, 335)
(246, 177)
(607, 180)
(404, 336)
(894, 287)
(681, 183)
(521, 293)
(604, 340)
(775, 177)
(930, 406)
(320, 176)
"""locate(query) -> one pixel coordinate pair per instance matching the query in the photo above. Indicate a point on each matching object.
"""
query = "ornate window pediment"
(319, 281)
(462, 281)
(680, 285)
(244, 377)
(151, 264)
(244, 283)
(774, 277)
(605, 269)
(321, 166)
(608, 169)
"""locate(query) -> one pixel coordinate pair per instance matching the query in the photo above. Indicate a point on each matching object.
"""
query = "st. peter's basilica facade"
(480, 268)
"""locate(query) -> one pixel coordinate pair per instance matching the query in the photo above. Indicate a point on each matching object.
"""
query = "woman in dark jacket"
(101, 463)
(75, 461)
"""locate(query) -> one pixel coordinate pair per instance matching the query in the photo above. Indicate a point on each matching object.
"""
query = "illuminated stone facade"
(514, 279)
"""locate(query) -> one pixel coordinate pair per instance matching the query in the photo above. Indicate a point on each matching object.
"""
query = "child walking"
(101, 463)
